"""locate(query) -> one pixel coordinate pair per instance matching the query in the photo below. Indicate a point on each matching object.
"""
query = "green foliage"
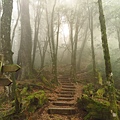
(89, 89)
(100, 92)
(26, 103)
(34, 101)
(24, 91)
(96, 109)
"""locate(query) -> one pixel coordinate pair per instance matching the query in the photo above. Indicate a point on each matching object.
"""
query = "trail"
(62, 106)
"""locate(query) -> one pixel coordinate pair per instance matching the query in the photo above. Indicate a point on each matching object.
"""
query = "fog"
(65, 12)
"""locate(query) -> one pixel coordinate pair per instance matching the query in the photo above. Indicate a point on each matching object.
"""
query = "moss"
(89, 89)
(95, 109)
(100, 92)
(35, 101)
(28, 104)
(24, 91)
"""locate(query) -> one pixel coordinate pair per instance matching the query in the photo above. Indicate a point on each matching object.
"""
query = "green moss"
(100, 92)
(88, 89)
(96, 109)
(35, 101)
(24, 91)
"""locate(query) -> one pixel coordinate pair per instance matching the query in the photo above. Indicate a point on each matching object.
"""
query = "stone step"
(68, 87)
(63, 111)
(65, 98)
(68, 84)
(65, 83)
(67, 92)
(66, 95)
(63, 103)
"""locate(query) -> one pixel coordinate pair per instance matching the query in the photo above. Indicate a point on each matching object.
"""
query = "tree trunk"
(92, 40)
(75, 49)
(110, 81)
(37, 27)
(118, 36)
(14, 28)
(72, 50)
(43, 53)
(81, 50)
(53, 46)
(6, 31)
(54, 62)
(24, 57)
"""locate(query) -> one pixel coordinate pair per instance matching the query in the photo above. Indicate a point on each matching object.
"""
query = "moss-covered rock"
(89, 89)
(96, 109)
(29, 104)
(34, 101)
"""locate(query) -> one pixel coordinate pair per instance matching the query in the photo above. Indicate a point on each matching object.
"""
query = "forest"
(59, 60)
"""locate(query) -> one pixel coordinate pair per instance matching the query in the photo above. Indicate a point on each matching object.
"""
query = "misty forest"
(59, 60)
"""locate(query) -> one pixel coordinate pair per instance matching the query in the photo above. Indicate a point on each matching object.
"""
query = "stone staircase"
(65, 103)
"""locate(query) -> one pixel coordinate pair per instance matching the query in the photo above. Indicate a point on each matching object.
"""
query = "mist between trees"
(64, 30)
(59, 35)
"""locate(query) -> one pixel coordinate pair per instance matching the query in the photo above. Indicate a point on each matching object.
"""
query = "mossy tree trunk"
(110, 81)
(6, 48)
(6, 31)
(6, 40)
(53, 54)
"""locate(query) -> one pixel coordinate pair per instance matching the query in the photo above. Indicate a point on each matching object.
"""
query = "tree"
(108, 69)
(117, 21)
(43, 52)
(24, 58)
(82, 48)
(74, 42)
(76, 21)
(53, 38)
(16, 24)
(6, 30)
(91, 22)
(37, 27)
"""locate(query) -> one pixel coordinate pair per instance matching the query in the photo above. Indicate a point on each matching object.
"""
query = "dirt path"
(62, 105)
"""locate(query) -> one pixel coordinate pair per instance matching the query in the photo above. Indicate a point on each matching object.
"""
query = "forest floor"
(52, 94)
(42, 114)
